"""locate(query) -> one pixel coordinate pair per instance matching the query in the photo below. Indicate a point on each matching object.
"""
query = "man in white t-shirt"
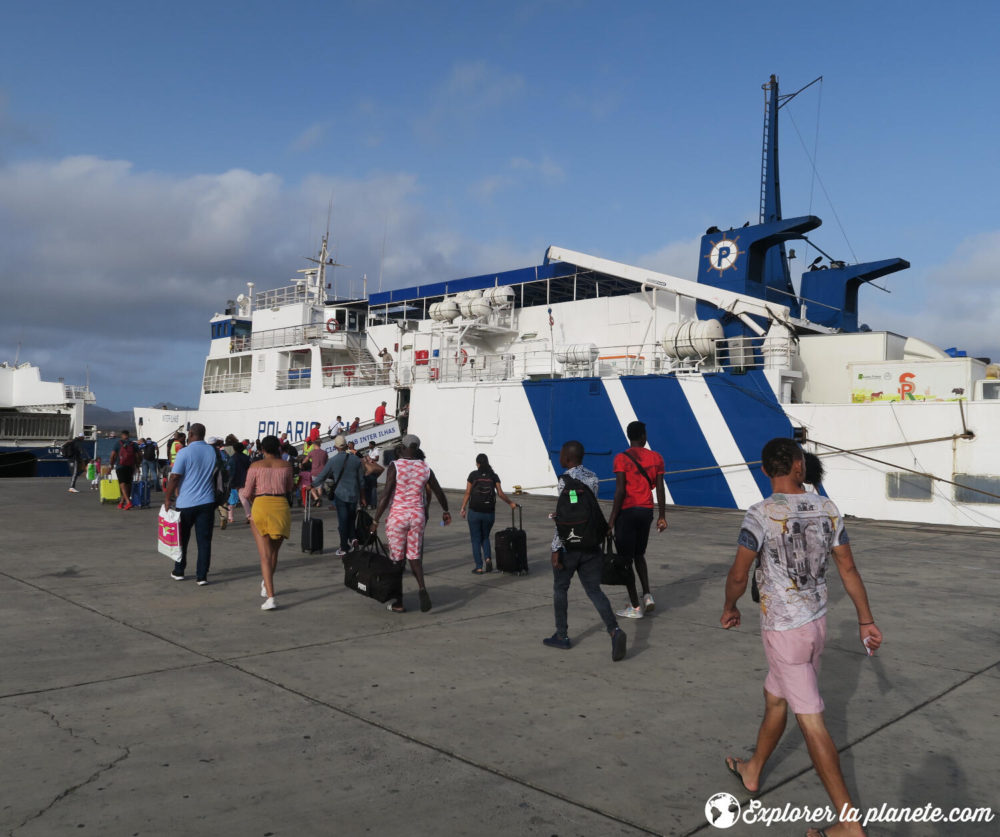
(791, 535)
(338, 427)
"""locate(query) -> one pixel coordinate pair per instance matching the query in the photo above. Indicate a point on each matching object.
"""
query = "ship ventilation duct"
(692, 339)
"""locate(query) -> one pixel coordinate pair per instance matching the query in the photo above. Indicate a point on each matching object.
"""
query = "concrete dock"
(131, 704)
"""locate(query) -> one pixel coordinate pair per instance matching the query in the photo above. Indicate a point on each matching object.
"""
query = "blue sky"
(155, 158)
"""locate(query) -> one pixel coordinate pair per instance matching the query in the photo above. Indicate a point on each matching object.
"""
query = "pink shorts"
(793, 665)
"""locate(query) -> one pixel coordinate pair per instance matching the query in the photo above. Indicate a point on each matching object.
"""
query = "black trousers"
(202, 520)
(632, 536)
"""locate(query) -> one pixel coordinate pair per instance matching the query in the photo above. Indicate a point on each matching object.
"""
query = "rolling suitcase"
(372, 573)
(140, 494)
(110, 492)
(312, 532)
(511, 547)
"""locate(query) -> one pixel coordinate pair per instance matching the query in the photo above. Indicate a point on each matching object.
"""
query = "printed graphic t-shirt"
(637, 489)
(793, 535)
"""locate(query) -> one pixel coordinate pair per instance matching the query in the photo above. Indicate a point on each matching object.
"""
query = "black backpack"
(483, 497)
(220, 481)
(579, 519)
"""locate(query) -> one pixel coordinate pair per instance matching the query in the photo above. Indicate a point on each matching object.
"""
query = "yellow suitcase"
(110, 492)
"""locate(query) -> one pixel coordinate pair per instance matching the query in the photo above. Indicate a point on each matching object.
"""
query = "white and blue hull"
(710, 429)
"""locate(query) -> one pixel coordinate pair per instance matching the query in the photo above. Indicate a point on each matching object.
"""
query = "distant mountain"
(166, 405)
(108, 419)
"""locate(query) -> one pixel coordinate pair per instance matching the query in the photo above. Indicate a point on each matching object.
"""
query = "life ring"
(348, 371)
(461, 357)
(328, 371)
(332, 326)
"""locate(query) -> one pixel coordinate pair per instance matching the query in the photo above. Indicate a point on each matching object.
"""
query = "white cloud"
(121, 269)
(519, 172)
(678, 258)
(485, 188)
(310, 137)
(471, 89)
(546, 168)
(956, 303)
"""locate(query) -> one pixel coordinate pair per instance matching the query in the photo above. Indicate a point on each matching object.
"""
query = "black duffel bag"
(372, 573)
(363, 528)
(617, 569)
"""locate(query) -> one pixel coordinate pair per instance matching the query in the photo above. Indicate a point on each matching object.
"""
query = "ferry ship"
(517, 362)
(36, 418)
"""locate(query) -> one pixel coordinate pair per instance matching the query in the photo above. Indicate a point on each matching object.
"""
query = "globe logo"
(722, 810)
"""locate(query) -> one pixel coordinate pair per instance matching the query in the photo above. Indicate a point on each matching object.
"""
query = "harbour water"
(133, 704)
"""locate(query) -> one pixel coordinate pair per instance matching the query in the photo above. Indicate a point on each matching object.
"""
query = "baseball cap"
(214, 440)
(339, 441)
(411, 441)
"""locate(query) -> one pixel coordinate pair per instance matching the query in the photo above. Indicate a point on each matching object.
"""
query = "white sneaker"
(270, 604)
(630, 612)
(263, 589)
(73, 491)
(647, 601)
(340, 553)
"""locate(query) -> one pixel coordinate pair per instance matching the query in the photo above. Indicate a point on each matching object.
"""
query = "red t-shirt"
(380, 414)
(637, 489)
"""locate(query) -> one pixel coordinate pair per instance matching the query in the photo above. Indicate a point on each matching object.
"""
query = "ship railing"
(535, 364)
(300, 378)
(277, 338)
(278, 297)
(736, 353)
(357, 374)
(290, 336)
(227, 382)
(77, 393)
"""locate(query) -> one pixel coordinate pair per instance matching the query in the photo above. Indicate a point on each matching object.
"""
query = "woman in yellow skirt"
(269, 483)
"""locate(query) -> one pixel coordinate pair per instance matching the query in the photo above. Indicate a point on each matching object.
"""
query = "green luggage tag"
(572, 495)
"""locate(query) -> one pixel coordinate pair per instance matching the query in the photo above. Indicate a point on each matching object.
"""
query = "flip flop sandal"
(394, 608)
(478, 571)
(489, 566)
(731, 767)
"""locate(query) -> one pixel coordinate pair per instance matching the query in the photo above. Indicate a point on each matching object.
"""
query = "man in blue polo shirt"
(192, 472)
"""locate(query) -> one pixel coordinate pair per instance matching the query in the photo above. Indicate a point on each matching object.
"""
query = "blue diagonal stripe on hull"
(674, 432)
(578, 408)
(753, 414)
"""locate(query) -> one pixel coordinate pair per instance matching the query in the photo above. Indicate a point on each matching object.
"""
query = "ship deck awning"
(540, 285)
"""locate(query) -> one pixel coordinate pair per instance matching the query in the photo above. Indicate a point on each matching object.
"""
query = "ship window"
(991, 390)
(973, 486)
(902, 485)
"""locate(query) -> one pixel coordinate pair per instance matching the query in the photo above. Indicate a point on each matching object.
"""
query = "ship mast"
(776, 273)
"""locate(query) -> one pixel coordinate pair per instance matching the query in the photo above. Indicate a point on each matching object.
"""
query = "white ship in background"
(36, 418)
(515, 363)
